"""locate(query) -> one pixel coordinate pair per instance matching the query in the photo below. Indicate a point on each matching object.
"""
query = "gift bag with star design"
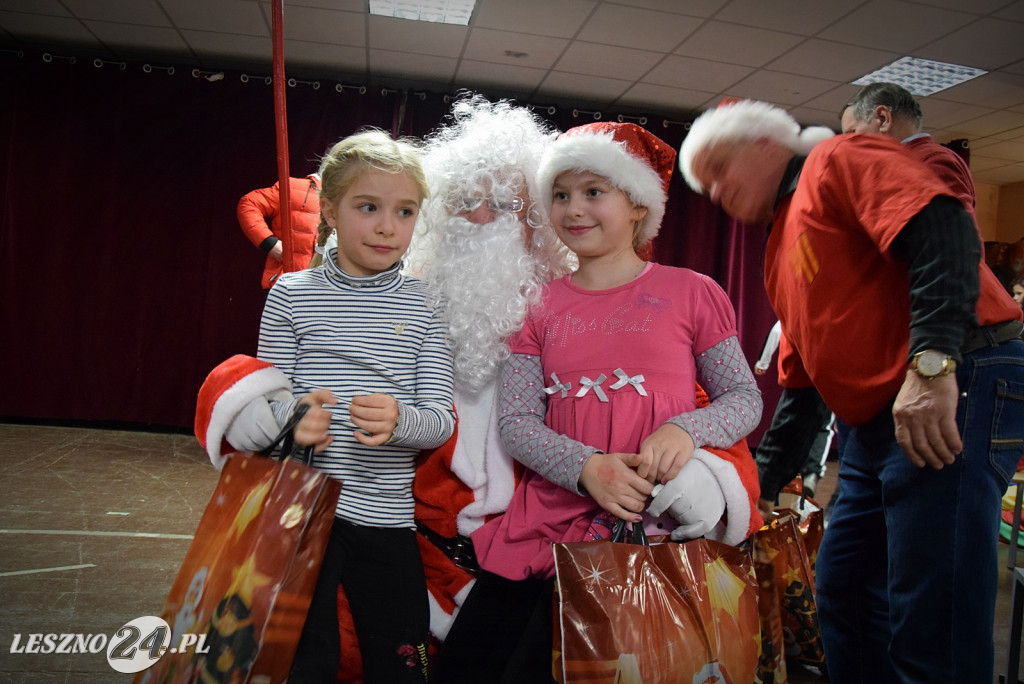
(246, 582)
(661, 613)
(785, 550)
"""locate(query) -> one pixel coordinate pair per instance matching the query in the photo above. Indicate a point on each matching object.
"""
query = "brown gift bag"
(659, 613)
(248, 577)
(785, 550)
(771, 658)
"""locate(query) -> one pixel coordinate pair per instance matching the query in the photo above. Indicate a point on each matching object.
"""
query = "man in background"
(259, 214)
(875, 270)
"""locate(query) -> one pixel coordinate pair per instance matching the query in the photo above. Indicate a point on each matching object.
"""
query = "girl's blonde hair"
(370, 148)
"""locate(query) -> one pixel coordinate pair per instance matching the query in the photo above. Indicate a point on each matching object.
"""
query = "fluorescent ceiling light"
(442, 11)
(921, 76)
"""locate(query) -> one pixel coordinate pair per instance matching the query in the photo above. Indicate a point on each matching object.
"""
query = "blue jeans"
(907, 572)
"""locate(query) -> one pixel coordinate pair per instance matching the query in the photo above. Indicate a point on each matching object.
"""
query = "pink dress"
(627, 357)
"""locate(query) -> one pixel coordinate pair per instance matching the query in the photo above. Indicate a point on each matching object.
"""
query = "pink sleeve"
(718, 319)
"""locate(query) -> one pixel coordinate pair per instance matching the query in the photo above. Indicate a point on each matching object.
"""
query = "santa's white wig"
(487, 273)
(738, 120)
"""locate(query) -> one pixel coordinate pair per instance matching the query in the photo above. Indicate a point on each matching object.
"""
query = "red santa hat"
(737, 119)
(632, 158)
(226, 391)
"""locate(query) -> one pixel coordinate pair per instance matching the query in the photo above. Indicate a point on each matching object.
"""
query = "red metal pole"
(281, 128)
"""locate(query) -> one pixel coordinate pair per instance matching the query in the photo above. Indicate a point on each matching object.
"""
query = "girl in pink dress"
(599, 403)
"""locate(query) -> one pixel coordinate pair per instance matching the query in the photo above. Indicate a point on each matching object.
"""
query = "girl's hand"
(312, 429)
(664, 453)
(612, 482)
(376, 414)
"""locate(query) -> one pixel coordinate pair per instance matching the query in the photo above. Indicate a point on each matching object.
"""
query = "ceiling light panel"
(921, 76)
(440, 11)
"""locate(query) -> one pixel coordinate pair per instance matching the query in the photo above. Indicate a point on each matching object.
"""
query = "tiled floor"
(94, 524)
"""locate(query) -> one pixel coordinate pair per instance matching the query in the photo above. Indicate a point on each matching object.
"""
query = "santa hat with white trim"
(226, 391)
(735, 120)
(632, 159)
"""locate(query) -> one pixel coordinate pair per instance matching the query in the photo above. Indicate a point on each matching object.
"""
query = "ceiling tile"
(736, 44)
(344, 5)
(810, 116)
(694, 8)
(1014, 11)
(696, 74)
(207, 44)
(428, 67)
(633, 27)
(793, 16)
(984, 44)
(487, 45)
(541, 17)
(1003, 175)
(520, 80)
(239, 17)
(782, 89)
(603, 60)
(834, 61)
(417, 37)
(146, 12)
(316, 25)
(997, 90)
(832, 102)
(980, 162)
(939, 113)
(989, 124)
(53, 8)
(974, 6)
(666, 98)
(1000, 149)
(587, 90)
(894, 25)
(160, 39)
(54, 29)
(345, 57)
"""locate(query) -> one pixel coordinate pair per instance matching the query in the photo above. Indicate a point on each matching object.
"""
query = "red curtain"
(124, 277)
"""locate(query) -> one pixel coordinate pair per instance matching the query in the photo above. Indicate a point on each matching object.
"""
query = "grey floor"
(94, 524)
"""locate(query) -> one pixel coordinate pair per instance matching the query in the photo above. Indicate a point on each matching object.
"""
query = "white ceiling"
(668, 57)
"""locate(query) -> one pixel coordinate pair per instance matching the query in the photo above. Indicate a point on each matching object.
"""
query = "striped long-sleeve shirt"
(353, 336)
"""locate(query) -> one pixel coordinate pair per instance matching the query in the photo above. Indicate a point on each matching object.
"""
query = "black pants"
(501, 635)
(382, 573)
(799, 418)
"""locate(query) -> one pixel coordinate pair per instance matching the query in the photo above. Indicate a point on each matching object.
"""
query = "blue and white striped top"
(325, 329)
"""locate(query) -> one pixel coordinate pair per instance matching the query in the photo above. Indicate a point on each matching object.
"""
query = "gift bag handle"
(637, 532)
(286, 438)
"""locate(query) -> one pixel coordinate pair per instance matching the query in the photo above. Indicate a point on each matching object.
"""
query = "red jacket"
(258, 214)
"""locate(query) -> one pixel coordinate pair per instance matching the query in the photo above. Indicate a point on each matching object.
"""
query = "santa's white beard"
(489, 280)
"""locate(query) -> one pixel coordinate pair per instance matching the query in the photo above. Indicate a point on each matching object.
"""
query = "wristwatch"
(932, 363)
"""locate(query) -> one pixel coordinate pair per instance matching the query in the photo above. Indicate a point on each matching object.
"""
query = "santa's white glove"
(693, 498)
(254, 427)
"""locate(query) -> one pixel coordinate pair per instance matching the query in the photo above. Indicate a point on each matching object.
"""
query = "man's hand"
(312, 428)
(925, 418)
(614, 485)
(277, 251)
(664, 453)
(376, 414)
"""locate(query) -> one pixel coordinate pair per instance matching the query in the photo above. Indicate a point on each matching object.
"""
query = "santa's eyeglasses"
(467, 205)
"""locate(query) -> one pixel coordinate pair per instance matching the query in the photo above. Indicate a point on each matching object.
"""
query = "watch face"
(931, 363)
